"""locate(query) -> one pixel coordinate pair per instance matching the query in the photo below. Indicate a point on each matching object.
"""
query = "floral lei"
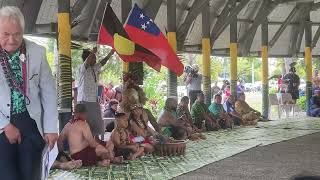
(11, 80)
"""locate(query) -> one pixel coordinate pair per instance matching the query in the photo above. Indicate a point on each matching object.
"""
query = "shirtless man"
(121, 139)
(168, 120)
(82, 144)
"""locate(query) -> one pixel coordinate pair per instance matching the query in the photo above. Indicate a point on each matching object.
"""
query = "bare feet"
(202, 136)
(104, 163)
(70, 165)
(78, 163)
(118, 160)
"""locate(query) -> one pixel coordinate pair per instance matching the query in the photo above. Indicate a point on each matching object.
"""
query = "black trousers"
(22, 161)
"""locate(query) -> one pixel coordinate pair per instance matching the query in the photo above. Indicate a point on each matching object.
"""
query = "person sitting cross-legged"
(219, 113)
(82, 144)
(65, 162)
(200, 114)
(229, 107)
(183, 111)
(315, 104)
(120, 136)
(168, 121)
(249, 115)
(138, 125)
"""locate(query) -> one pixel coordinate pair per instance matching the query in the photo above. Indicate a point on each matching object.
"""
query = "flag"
(113, 34)
(143, 31)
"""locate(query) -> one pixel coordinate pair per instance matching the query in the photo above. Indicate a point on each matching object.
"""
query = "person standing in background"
(193, 82)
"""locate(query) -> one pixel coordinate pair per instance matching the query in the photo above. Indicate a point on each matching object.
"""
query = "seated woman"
(248, 114)
(219, 113)
(229, 107)
(82, 144)
(138, 125)
(120, 137)
(168, 119)
(200, 114)
(315, 104)
(193, 132)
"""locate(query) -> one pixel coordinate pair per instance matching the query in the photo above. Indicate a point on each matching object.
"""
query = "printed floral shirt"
(17, 98)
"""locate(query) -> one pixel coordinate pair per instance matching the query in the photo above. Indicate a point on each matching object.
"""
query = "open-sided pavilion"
(261, 28)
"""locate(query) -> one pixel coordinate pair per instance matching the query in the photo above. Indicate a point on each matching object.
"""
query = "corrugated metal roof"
(192, 43)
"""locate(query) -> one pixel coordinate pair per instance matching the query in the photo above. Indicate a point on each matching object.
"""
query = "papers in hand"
(48, 158)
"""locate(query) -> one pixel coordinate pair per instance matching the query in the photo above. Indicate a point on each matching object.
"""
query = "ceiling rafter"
(225, 19)
(152, 8)
(193, 13)
(266, 8)
(284, 25)
(316, 38)
(245, 46)
(298, 30)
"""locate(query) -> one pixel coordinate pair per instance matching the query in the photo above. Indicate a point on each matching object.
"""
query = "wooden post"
(65, 70)
(233, 55)
(308, 61)
(265, 68)
(172, 82)
(206, 52)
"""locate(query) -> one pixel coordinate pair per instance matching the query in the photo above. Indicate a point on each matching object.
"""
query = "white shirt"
(87, 83)
(195, 84)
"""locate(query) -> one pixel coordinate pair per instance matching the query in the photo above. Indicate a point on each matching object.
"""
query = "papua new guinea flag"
(113, 34)
(143, 31)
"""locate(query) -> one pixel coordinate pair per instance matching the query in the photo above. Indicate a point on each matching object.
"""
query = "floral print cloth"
(17, 98)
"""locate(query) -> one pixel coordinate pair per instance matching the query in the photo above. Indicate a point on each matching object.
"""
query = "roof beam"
(152, 7)
(77, 8)
(31, 10)
(223, 15)
(316, 38)
(266, 8)
(284, 26)
(297, 31)
(86, 18)
(300, 35)
(195, 10)
(315, 6)
(245, 46)
(225, 20)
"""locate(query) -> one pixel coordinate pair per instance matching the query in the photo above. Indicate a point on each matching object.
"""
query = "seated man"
(168, 119)
(315, 104)
(109, 112)
(121, 138)
(219, 113)
(229, 107)
(200, 114)
(248, 114)
(81, 142)
(183, 111)
(110, 109)
(64, 162)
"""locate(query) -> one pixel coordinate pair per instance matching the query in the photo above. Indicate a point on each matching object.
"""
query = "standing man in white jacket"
(28, 104)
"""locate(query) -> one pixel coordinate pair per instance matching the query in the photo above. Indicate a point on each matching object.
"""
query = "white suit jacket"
(41, 91)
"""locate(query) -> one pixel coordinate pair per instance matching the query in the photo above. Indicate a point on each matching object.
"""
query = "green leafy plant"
(302, 103)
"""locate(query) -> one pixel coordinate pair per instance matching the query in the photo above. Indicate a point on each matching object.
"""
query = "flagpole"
(125, 10)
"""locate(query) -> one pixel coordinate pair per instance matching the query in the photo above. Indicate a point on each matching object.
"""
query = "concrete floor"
(273, 162)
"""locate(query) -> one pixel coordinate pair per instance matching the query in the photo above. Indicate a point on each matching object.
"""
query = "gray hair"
(13, 13)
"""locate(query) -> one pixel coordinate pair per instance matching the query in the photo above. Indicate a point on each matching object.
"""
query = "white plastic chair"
(273, 101)
(285, 98)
